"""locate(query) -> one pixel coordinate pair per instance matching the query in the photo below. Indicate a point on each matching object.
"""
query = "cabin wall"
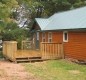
(76, 45)
(56, 37)
(53, 49)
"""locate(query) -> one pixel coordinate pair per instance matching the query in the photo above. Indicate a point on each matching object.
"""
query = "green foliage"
(13, 32)
(6, 7)
(1, 55)
(33, 8)
(8, 36)
(50, 7)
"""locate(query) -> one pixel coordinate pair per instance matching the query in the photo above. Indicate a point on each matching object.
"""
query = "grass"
(57, 70)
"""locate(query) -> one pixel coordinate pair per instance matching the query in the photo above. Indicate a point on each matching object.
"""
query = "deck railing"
(48, 51)
(51, 50)
(26, 45)
(9, 49)
(11, 52)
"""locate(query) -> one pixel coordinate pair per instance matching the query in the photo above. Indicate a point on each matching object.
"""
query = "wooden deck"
(27, 53)
(47, 51)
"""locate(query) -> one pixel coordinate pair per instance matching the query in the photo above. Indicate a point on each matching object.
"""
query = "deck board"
(27, 53)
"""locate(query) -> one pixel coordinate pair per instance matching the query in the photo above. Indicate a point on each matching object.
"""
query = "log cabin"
(68, 28)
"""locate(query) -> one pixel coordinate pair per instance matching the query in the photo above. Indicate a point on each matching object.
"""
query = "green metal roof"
(42, 22)
(72, 19)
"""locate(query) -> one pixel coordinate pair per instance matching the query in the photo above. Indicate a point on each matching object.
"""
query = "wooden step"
(22, 58)
(34, 57)
(28, 59)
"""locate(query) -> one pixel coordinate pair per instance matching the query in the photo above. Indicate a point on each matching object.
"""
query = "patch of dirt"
(13, 71)
(74, 71)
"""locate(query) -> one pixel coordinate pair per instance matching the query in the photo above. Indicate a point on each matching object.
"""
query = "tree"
(6, 7)
(23, 12)
(14, 32)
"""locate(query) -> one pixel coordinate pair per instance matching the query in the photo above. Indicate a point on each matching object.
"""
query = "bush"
(14, 33)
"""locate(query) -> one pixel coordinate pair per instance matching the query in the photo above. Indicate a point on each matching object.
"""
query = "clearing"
(12, 71)
(57, 70)
(46, 70)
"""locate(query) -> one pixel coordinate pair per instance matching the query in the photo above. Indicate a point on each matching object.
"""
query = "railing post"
(9, 49)
(58, 51)
(62, 51)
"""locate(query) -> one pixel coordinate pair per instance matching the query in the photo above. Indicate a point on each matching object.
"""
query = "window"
(43, 37)
(65, 36)
(37, 35)
(49, 37)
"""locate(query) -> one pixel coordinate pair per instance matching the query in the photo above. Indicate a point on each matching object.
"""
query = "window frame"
(49, 36)
(65, 35)
(43, 37)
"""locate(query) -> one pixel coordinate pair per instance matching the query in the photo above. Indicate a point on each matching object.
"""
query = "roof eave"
(77, 29)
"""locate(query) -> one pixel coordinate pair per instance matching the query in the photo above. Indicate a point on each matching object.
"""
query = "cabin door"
(37, 45)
